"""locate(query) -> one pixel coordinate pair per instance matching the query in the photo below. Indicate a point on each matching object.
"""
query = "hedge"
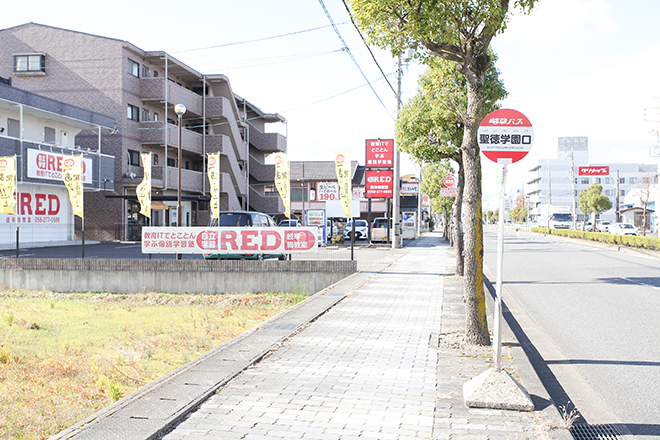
(649, 243)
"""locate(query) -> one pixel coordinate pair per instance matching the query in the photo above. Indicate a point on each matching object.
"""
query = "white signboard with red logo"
(594, 171)
(209, 240)
(449, 180)
(327, 191)
(505, 136)
(43, 214)
(380, 153)
(447, 192)
(379, 184)
(47, 165)
(409, 187)
(359, 193)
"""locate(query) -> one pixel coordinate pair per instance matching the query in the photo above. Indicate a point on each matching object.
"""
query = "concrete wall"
(172, 276)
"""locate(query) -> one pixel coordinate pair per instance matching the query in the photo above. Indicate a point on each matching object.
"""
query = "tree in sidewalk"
(593, 201)
(432, 175)
(518, 214)
(458, 31)
(430, 127)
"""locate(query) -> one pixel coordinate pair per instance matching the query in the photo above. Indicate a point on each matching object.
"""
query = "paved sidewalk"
(372, 367)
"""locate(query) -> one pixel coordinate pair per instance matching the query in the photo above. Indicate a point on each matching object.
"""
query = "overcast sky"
(573, 67)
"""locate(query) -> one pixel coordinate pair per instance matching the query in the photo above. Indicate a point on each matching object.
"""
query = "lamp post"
(180, 109)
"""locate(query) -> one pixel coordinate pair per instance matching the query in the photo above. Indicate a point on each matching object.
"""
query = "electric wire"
(350, 54)
(253, 41)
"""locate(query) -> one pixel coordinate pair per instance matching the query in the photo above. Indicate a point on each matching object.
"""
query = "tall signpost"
(505, 136)
(381, 180)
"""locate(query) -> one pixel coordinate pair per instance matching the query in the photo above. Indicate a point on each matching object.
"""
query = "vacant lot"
(65, 356)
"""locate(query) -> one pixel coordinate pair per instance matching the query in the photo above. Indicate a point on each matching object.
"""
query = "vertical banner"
(8, 185)
(72, 174)
(343, 170)
(283, 181)
(213, 172)
(143, 190)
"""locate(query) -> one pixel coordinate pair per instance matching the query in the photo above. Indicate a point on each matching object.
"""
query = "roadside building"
(553, 181)
(40, 132)
(139, 90)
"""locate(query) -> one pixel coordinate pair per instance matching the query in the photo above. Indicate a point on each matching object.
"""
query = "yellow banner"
(8, 185)
(72, 175)
(283, 181)
(213, 172)
(343, 170)
(143, 190)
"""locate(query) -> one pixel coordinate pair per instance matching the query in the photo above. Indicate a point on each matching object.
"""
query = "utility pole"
(395, 184)
(616, 200)
(573, 186)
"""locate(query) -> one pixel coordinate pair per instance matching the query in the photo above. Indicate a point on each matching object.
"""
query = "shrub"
(634, 241)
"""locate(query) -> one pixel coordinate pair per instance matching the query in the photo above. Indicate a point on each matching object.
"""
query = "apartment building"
(40, 132)
(139, 90)
(553, 181)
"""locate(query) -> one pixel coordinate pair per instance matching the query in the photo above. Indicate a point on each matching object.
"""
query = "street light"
(180, 109)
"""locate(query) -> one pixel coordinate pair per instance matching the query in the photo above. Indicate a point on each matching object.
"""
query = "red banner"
(380, 153)
(379, 184)
(594, 171)
(248, 240)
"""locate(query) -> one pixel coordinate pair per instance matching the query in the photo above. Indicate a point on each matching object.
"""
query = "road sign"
(505, 136)
(449, 181)
(447, 192)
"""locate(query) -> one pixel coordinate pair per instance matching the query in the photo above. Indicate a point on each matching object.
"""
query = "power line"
(255, 40)
(334, 26)
(369, 48)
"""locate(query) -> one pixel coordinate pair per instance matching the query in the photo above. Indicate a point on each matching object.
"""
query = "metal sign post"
(497, 332)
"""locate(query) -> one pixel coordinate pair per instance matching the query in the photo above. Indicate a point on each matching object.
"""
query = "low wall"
(172, 276)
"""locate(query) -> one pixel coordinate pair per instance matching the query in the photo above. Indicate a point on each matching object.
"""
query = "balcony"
(151, 89)
(218, 107)
(267, 142)
(153, 133)
(268, 204)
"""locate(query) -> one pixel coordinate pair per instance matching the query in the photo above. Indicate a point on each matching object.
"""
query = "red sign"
(47, 165)
(201, 240)
(505, 136)
(594, 171)
(448, 181)
(379, 184)
(380, 153)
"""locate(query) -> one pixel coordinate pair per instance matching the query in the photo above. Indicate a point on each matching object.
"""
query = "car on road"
(623, 229)
(361, 230)
(243, 219)
(289, 223)
(379, 229)
(603, 226)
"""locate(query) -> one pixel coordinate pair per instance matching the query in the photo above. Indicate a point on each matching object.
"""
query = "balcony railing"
(152, 89)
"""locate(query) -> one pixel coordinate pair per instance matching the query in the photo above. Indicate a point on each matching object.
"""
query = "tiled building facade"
(139, 90)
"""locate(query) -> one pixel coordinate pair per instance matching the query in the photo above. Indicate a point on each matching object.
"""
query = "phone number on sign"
(46, 219)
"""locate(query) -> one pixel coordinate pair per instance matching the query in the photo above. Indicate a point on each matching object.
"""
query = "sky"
(573, 67)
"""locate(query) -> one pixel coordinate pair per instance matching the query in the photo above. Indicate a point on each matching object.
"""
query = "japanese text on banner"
(72, 174)
(343, 170)
(283, 181)
(143, 190)
(8, 185)
(213, 171)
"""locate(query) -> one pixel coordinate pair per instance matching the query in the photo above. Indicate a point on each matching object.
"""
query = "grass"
(65, 356)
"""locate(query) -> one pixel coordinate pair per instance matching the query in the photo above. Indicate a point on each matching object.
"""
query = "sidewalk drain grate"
(583, 431)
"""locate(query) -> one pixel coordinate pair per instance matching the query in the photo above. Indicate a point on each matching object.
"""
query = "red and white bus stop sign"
(505, 136)
(449, 181)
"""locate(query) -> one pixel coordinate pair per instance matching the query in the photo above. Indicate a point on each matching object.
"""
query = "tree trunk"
(457, 220)
(476, 324)
(445, 223)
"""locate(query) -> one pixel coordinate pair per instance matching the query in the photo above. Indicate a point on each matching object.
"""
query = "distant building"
(139, 90)
(41, 132)
(551, 180)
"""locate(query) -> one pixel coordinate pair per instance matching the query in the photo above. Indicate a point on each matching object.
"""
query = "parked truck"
(556, 217)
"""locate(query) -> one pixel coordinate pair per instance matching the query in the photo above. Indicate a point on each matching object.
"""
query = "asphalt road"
(594, 314)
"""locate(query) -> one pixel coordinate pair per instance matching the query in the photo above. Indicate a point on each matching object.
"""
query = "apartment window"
(155, 74)
(134, 158)
(622, 193)
(632, 180)
(155, 116)
(597, 180)
(49, 135)
(29, 63)
(145, 115)
(609, 192)
(154, 159)
(608, 180)
(13, 128)
(133, 113)
(584, 181)
(133, 68)
(171, 162)
(622, 180)
(145, 72)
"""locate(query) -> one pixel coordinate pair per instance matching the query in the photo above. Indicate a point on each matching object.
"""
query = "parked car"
(290, 223)
(623, 229)
(379, 229)
(243, 219)
(603, 226)
(361, 230)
